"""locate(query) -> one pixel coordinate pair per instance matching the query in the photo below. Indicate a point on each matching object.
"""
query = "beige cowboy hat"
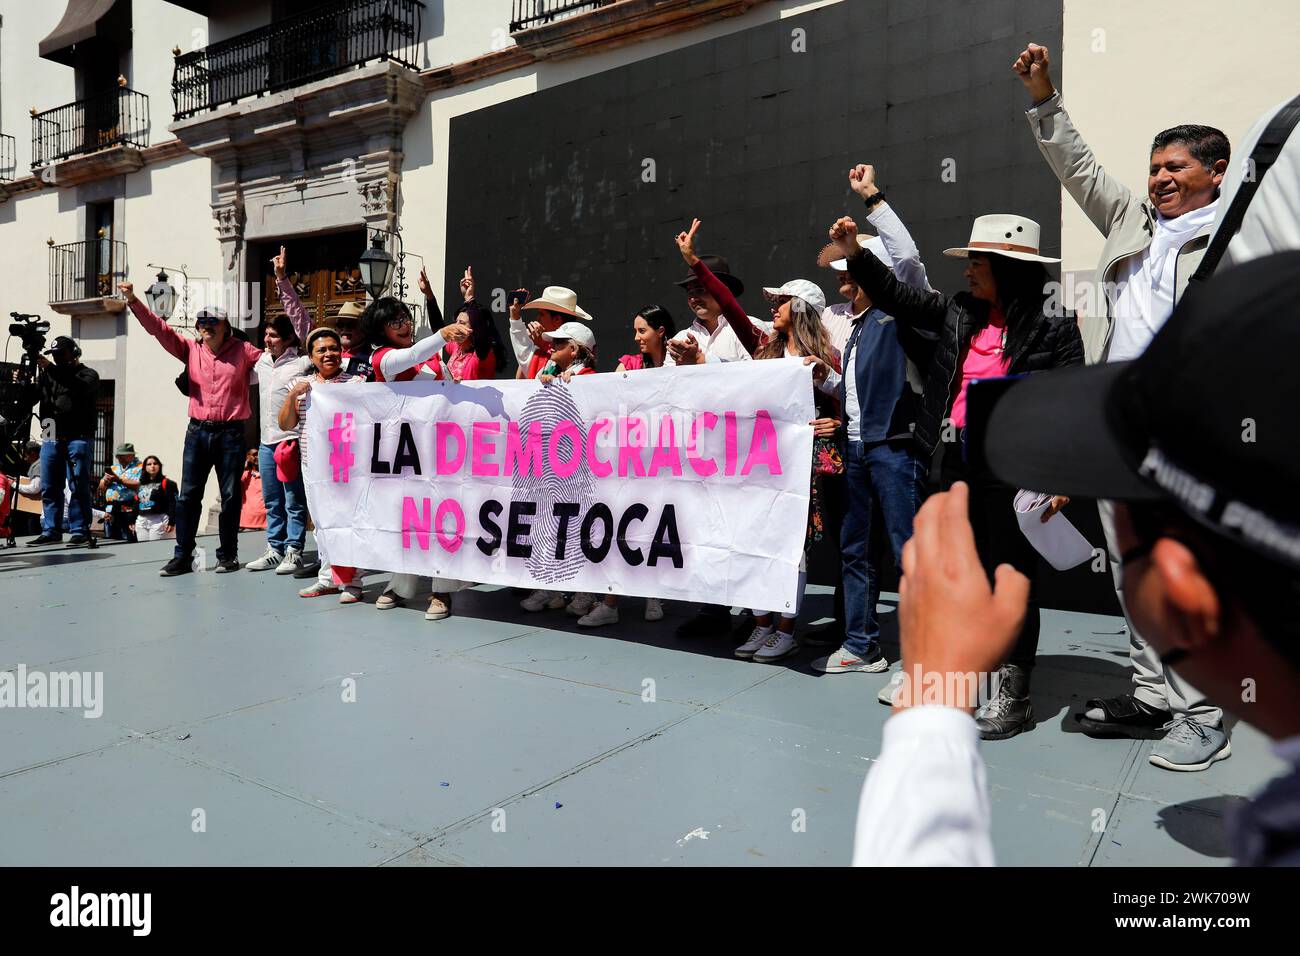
(1005, 235)
(556, 298)
(831, 258)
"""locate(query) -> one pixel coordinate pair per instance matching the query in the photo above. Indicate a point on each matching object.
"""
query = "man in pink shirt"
(219, 367)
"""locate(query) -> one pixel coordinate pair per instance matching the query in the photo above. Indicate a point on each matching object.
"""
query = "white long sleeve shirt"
(1272, 222)
(926, 800)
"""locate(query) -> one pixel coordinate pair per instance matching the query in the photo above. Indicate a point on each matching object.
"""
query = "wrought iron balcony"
(531, 13)
(8, 158)
(118, 117)
(323, 42)
(84, 274)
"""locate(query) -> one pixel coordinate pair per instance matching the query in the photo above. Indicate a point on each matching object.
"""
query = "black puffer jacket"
(935, 328)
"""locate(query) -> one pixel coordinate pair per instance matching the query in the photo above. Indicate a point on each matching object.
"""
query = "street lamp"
(376, 267)
(161, 297)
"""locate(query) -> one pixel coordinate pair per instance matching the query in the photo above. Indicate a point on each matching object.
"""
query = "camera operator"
(67, 392)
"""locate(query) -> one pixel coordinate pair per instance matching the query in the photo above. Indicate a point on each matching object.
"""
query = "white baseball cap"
(800, 289)
(575, 331)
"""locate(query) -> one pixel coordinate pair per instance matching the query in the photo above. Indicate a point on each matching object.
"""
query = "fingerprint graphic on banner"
(551, 405)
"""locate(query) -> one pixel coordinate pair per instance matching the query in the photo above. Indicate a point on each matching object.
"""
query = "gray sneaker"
(1190, 745)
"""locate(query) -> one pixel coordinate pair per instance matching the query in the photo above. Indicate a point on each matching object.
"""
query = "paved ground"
(498, 737)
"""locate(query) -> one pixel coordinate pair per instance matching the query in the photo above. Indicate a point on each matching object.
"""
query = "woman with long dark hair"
(652, 327)
(155, 502)
(1006, 324)
(798, 332)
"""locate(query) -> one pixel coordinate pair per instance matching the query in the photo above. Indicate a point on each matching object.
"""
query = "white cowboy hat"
(800, 289)
(572, 330)
(1005, 235)
(556, 298)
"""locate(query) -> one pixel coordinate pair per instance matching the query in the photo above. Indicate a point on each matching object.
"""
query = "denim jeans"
(218, 446)
(886, 476)
(66, 461)
(286, 504)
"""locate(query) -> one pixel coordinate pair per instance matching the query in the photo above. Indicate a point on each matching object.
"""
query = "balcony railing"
(118, 117)
(86, 270)
(322, 42)
(530, 13)
(8, 158)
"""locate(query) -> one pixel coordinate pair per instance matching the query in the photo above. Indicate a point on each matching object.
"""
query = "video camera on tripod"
(18, 388)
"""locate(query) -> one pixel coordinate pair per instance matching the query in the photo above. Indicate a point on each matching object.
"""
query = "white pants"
(325, 574)
(152, 528)
(1153, 683)
(407, 586)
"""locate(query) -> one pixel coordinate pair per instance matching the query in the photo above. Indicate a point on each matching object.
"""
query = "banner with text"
(679, 483)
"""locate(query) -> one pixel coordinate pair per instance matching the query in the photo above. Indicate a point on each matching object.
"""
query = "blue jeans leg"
(887, 474)
(80, 514)
(273, 496)
(54, 471)
(295, 508)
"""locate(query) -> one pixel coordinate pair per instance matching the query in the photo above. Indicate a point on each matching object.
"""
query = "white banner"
(677, 483)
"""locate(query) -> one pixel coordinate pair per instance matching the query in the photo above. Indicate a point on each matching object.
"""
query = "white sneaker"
(654, 610)
(351, 595)
(845, 661)
(599, 615)
(537, 601)
(317, 589)
(756, 640)
(890, 690)
(266, 562)
(777, 647)
(291, 562)
(581, 604)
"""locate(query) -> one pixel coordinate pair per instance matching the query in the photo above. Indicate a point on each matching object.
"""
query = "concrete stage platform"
(499, 737)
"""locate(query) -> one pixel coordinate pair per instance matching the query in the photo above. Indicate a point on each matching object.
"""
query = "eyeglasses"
(400, 321)
(695, 289)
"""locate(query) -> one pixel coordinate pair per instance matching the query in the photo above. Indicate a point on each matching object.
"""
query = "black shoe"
(1123, 716)
(824, 635)
(1010, 711)
(177, 566)
(78, 541)
(44, 538)
(226, 566)
(745, 626)
(308, 571)
(704, 625)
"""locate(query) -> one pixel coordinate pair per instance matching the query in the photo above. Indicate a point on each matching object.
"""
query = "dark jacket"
(68, 394)
(936, 328)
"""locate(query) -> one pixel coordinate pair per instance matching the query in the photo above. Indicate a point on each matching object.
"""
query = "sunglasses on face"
(206, 322)
(694, 289)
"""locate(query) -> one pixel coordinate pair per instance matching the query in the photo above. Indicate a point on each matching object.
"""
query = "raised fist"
(1032, 68)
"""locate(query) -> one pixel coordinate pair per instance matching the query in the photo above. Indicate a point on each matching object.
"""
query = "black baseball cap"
(62, 343)
(1205, 418)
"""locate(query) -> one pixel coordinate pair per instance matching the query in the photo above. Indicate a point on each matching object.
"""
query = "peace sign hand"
(467, 284)
(277, 263)
(426, 289)
(686, 243)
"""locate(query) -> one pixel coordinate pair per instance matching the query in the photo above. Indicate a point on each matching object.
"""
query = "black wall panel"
(756, 140)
